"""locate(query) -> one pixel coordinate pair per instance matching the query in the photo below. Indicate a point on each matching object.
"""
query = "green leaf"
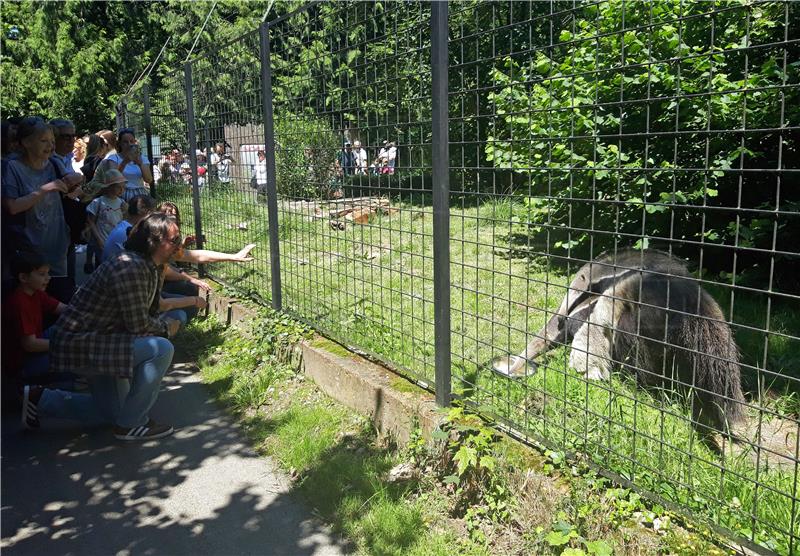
(599, 548)
(557, 538)
(563, 526)
(465, 458)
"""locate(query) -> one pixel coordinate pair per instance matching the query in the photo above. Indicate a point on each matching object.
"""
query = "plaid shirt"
(117, 304)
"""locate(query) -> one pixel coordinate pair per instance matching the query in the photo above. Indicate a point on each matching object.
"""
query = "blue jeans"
(61, 404)
(128, 402)
(177, 314)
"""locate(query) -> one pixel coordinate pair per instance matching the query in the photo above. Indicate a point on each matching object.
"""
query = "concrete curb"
(351, 380)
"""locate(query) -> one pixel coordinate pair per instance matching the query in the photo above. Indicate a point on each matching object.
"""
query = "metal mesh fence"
(656, 141)
(586, 131)
(230, 134)
(356, 236)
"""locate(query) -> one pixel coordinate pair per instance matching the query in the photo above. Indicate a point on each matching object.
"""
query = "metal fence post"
(441, 201)
(269, 148)
(148, 131)
(198, 224)
(120, 119)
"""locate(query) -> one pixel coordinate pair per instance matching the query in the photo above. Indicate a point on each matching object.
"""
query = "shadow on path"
(67, 490)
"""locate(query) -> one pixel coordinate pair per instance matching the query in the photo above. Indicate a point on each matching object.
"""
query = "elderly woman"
(110, 331)
(133, 164)
(31, 197)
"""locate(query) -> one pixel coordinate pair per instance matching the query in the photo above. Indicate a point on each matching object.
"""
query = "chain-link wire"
(655, 140)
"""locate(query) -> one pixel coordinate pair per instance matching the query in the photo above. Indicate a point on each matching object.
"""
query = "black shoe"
(30, 411)
(150, 431)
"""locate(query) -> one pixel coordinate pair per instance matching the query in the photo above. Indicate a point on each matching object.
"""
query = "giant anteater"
(642, 311)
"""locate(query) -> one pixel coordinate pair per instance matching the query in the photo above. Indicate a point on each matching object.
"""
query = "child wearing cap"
(106, 210)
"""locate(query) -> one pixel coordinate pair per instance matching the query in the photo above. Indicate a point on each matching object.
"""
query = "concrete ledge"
(367, 388)
(350, 379)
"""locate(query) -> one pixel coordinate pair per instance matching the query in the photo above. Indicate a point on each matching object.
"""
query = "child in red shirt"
(25, 349)
(26, 345)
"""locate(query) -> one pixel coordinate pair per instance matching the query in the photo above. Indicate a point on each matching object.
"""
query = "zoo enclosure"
(531, 137)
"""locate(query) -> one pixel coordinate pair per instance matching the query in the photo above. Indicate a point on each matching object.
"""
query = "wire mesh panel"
(351, 86)
(170, 137)
(657, 139)
(230, 144)
(623, 220)
(134, 115)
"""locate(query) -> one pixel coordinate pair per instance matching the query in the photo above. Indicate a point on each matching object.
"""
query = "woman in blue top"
(133, 164)
(31, 196)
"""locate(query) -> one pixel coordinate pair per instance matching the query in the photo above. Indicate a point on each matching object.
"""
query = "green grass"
(340, 468)
(371, 286)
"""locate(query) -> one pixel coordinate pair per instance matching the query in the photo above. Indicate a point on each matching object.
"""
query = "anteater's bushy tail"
(713, 367)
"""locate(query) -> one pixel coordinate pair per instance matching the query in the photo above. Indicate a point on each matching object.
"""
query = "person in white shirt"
(361, 158)
(79, 153)
(391, 157)
(259, 179)
(132, 163)
(106, 211)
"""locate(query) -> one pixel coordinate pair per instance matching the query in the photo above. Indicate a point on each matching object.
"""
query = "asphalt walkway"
(68, 490)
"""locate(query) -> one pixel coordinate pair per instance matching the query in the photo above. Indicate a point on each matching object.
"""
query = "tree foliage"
(78, 58)
(632, 118)
(640, 112)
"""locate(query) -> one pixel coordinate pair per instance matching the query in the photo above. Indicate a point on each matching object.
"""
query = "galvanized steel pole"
(148, 131)
(198, 224)
(120, 121)
(441, 201)
(269, 149)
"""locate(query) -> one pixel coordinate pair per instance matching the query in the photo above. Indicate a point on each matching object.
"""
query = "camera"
(134, 151)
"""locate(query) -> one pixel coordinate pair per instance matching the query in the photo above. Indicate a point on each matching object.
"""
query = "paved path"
(67, 490)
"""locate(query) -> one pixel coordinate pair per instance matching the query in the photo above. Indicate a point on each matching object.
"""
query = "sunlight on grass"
(370, 286)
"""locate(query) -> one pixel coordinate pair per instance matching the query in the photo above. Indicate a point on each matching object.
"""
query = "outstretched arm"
(203, 256)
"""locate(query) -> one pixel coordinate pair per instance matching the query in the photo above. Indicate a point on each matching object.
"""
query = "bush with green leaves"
(632, 120)
(305, 151)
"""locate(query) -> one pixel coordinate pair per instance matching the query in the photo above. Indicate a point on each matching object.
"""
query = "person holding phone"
(132, 163)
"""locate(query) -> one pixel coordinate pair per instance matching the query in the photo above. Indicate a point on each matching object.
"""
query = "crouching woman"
(111, 333)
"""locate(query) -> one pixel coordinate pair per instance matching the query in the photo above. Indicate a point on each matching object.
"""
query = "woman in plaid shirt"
(111, 330)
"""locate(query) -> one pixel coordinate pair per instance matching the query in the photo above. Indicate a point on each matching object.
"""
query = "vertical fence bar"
(148, 131)
(269, 148)
(198, 224)
(441, 201)
(120, 119)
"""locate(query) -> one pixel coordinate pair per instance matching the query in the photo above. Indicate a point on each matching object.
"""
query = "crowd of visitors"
(98, 354)
(352, 160)
(174, 167)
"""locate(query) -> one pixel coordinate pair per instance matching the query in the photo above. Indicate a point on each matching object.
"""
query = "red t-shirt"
(23, 315)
